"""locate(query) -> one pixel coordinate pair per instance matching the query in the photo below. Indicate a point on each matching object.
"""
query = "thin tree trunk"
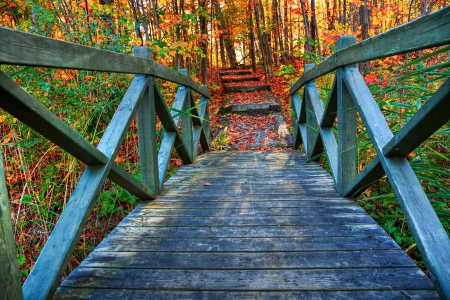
(364, 15)
(305, 22)
(252, 39)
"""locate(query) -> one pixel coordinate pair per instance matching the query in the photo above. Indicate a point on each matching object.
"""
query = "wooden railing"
(313, 128)
(143, 99)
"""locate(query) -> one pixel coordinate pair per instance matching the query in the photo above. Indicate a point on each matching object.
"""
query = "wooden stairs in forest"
(248, 225)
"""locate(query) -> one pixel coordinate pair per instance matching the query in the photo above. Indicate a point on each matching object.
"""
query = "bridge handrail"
(313, 128)
(26, 49)
(143, 99)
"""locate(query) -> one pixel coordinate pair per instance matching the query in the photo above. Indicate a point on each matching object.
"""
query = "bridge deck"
(248, 225)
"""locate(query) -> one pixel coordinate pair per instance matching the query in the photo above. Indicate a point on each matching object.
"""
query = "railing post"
(10, 286)
(312, 128)
(146, 122)
(186, 120)
(346, 126)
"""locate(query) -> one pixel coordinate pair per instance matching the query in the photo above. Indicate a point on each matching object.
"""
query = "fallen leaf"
(207, 184)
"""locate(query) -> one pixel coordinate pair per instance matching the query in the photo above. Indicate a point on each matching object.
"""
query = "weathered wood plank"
(246, 88)
(10, 283)
(347, 243)
(341, 219)
(51, 263)
(25, 49)
(434, 114)
(240, 79)
(427, 230)
(249, 261)
(234, 72)
(428, 31)
(128, 182)
(146, 122)
(92, 293)
(239, 212)
(269, 280)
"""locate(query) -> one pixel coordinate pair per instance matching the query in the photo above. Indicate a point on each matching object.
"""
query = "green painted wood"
(146, 122)
(331, 108)
(244, 236)
(347, 156)
(434, 114)
(10, 283)
(314, 112)
(296, 106)
(205, 134)
(128, 182)
(23, 106)
(428, 31)
(427, 230)
(186, 120)
(51, 263)
(369, 175)
(20, 48)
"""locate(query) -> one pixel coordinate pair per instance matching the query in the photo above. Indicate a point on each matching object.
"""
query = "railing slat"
(146, 122)
(23, 106)
(432, 116)
(128, 182)
(296, 107)
(428, 232)
(346, 126)
(370, 174)
(428, 31)
(51, 263)
(204, 116)
(165, 151)
(314, 114)
(28, 110)
(10, 284)
(330, 113)
(25, 49)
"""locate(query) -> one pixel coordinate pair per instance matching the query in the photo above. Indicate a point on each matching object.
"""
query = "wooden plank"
(240, 79)
(10, 283)
(331, 108)
(146, 122)
(180, 244)
(205, 138)
(370, 174)
(431, 238)
(342, 219)
(51, 263)
(165, 151)
(245, 232)
(25, 49)
(246, 88)
(434, 114)
(269, 280)
(70, 293)
(428, 31)
(234, 72)
(186, 122)
(246, 212)
(249, 261)
(347, 156)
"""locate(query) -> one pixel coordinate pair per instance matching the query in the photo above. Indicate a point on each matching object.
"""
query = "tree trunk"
(226, 40)
(364, 15)
(305, 22)
(252, 39)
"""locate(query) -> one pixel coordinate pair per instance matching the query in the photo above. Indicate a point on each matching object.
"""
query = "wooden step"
(247, 88)
(240, 79)
(234, 72)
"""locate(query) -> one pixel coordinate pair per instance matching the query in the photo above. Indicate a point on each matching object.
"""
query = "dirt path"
(250, 115)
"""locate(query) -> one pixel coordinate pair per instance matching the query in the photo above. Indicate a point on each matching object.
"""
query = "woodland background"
(273, 37)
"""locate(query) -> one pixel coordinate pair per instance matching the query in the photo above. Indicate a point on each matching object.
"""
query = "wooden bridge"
(235, 224)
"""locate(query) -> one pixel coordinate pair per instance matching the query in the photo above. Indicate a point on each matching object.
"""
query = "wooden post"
(186, 120)
(146, 123)
(10, 285)
(346, 126)
(312, 129)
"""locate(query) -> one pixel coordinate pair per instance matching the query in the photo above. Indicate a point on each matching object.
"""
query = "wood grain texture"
(146, 122)
(25, 49)
(428, 232)
(428, 31)
(244, 236)
(10, 284)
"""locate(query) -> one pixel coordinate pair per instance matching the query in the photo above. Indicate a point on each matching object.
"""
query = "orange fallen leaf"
(207, 184)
